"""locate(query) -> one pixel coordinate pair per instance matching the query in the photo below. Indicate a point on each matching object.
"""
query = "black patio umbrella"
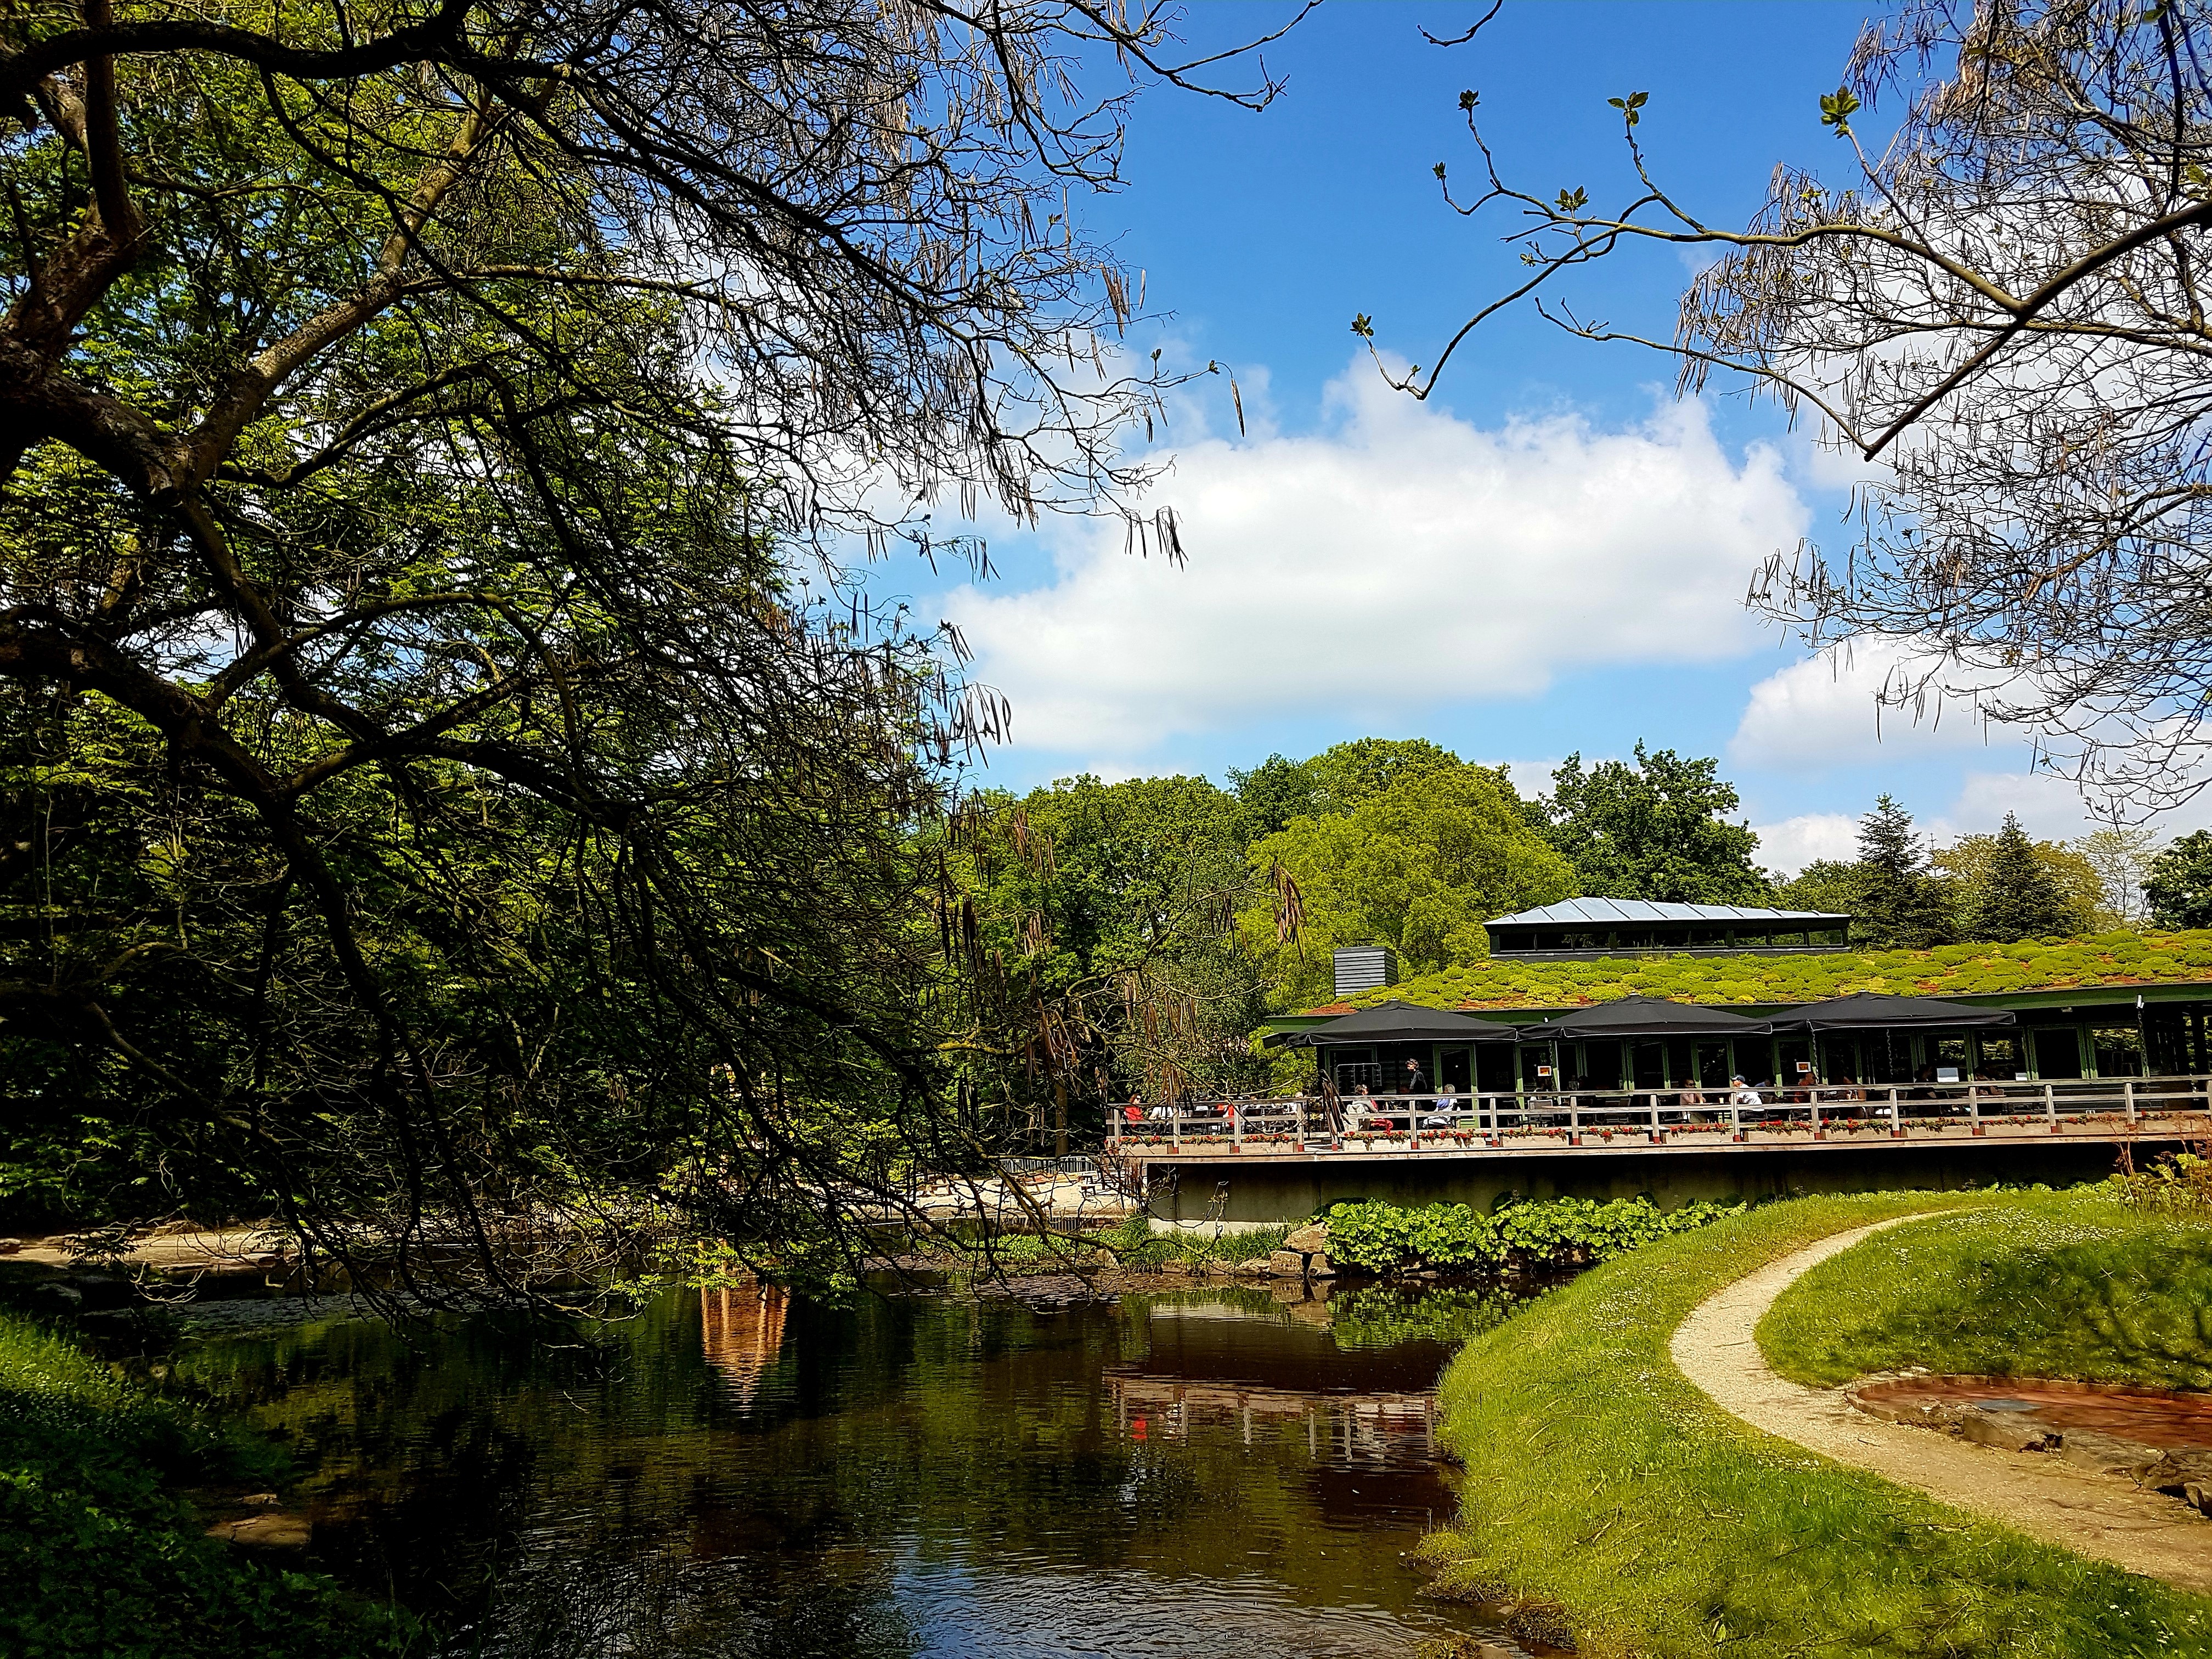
(1396, 1022)
(1645, 1017)
(1865, 1010)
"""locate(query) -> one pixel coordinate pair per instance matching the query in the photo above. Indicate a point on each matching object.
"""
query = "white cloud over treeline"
(1402, 561)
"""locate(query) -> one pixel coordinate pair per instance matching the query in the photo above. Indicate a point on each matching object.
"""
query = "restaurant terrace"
(2030, 1060)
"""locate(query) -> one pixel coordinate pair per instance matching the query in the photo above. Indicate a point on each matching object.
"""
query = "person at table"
(1446, 1107)
(1741, 1094)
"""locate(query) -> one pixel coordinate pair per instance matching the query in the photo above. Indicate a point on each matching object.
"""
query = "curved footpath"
(2091, 1514)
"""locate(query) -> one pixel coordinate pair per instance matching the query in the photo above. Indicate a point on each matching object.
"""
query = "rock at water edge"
(1317, 1265)
(1287, 1264)
(1308, 1240)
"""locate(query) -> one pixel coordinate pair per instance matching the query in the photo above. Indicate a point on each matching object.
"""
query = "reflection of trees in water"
(741, 1333)
(756, 1477)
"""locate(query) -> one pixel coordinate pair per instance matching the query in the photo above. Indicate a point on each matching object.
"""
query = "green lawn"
(97, 1554)
(1600, 1481)
(2072, 1285)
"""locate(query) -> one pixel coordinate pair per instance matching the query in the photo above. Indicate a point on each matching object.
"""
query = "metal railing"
(1440, 1122)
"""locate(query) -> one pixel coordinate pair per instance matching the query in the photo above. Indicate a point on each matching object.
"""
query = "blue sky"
(1548, 557)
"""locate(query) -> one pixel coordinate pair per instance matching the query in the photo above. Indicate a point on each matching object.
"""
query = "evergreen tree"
(1902, 905)
(2016, 896)
(2178, 888)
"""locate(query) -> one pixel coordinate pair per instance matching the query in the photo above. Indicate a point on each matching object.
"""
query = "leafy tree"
(1832, 886)
(2121, 855)
(2179, 889)
(434, 797)
(2010, 890)
(1653, 830)
(1106, 912)
(1348, 774)
(1273, 792)
(1901, 903)
(2065, 893)
(1419, 867)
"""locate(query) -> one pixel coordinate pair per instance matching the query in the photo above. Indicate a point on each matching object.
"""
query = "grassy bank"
(1599, 1480)
(2073, 1285)
(98, 1553)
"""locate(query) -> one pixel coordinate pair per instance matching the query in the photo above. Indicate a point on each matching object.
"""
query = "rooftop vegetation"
(2118, 959)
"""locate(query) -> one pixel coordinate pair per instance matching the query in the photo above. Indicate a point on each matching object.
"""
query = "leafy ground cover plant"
(1562, 1232)
(2080, 1285)
(98, 1555)
(1601, 1481)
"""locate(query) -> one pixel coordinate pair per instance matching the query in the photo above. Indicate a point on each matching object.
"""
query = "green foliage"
(1591, 1460)
(97, 1556)
(1347, 775)
(1420, 867)
(1900, 904)
(2179, 1184)
(1384, 1315)
(1109, 905)
(2118, 959)
(2014, 888)
(1656, 830)
(2067, 1285)
(1557, 1233)
(1273, 792)
(2179, 887)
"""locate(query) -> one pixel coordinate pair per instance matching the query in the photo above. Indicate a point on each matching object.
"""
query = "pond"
(739, 1473)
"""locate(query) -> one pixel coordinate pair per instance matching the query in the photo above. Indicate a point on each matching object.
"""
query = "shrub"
(1562, 1232)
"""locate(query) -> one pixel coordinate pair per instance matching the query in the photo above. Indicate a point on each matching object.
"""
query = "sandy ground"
(185, 1248)
(2093, 1515)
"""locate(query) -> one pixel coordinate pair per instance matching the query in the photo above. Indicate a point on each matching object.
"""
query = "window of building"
(2058, 1051)
(2118, 1049)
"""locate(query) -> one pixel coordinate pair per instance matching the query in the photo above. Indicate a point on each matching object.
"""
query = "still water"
(734, 1474)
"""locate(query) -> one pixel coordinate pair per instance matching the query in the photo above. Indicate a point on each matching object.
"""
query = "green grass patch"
(98, 1554)
(1601, 1482)
(2071, 1284)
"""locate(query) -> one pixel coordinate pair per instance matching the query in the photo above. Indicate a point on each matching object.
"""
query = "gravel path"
(2093, 1515)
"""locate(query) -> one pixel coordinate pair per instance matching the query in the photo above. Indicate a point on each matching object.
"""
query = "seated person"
(1446, 1106)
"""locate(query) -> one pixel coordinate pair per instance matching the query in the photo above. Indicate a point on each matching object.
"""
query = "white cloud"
(1822, 712)
(1407, 561)
(1792, 844)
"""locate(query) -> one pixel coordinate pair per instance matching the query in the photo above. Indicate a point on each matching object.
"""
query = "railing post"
(1974, 1109)
(1237, 1125)
(2128, 1094)
(1175, 1128)
(1896, 1116)
(1574, 1120)
(1655, 1119)
(1813, 1100)
(2051, 1105)
(1735, 1118)
(1298, 1107)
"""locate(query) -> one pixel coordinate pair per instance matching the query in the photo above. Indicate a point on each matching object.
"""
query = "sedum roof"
(2116, 959)
(1578, 912)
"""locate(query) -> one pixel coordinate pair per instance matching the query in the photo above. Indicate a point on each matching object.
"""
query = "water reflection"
(741, 1333)
(739, 1474)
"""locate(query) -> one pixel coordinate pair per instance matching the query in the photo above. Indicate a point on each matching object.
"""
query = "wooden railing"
(1436, 1122)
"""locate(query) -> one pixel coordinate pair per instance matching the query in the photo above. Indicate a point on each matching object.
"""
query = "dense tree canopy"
(1106, 909)
(1656, 829)
(1420, 867)
(2178, 888)
(446, 773)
